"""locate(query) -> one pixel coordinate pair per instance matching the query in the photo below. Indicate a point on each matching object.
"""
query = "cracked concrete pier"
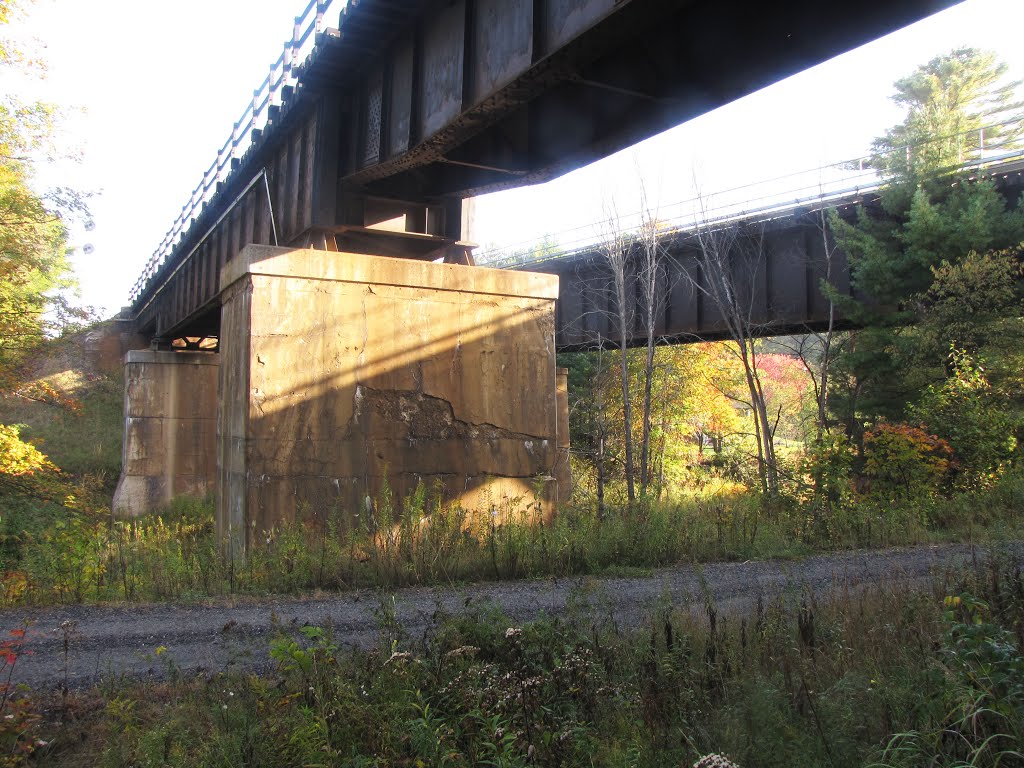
(341, 377)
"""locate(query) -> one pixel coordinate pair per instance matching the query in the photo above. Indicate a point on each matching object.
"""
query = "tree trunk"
(601, 430)
(826, 343)
(627, 419)
(627, 405)
(650, 248)
(645, 452)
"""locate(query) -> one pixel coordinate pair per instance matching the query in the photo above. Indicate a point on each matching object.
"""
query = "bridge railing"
(258, 111)
(756, 201)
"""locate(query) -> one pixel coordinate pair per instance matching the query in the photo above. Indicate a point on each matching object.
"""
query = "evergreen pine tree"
(930, 213)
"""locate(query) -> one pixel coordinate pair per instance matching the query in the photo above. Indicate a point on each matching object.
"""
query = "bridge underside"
(416, 105)
(483, 95)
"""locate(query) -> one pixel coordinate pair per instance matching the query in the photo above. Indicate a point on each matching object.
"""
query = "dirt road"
(122, 640)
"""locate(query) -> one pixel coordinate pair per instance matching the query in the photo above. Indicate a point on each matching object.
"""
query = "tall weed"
(55, 554)
(887, 677)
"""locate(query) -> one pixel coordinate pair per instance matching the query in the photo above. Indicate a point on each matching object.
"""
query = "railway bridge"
(318, 335)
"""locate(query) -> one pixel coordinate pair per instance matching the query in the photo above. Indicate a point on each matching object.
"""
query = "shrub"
(904, 462)
(825, 499)
(965, 413)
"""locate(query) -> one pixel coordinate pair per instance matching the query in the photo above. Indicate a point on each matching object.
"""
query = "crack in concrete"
(361, 359)
(426, 417)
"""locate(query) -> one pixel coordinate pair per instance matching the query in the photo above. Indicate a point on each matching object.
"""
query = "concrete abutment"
(170, 429)
(343, 375)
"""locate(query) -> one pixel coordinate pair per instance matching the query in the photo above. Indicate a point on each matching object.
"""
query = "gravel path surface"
(121, 640)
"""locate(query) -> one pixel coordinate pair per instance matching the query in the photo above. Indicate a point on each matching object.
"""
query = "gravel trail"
(122, 640)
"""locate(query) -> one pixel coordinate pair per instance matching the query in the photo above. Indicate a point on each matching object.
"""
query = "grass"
(53, 555)
(889, 677)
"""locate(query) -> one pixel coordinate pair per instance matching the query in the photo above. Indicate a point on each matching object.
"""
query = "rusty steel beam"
(778, 265)
(777, 268)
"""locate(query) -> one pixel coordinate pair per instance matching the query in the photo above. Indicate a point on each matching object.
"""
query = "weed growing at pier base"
(82, 557)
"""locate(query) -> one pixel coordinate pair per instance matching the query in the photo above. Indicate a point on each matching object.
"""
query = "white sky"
(159, 85)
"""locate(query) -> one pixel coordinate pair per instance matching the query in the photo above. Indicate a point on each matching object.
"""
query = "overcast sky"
(154, 88)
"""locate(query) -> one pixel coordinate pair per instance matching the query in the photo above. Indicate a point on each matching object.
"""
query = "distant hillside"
(69, 397)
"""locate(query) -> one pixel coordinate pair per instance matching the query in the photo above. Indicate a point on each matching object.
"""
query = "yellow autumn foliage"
(18, 457)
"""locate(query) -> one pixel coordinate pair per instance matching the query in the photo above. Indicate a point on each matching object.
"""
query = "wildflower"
(463, 650)
(512, 633)
(715, 761)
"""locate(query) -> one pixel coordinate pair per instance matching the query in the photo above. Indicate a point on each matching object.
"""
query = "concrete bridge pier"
(170, 429)
(345, 378)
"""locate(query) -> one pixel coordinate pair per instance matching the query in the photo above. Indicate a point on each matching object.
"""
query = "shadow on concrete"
(367, 383)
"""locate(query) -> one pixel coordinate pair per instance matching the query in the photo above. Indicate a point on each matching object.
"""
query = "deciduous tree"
(615, 247)
(731, 257)
(34, 268)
